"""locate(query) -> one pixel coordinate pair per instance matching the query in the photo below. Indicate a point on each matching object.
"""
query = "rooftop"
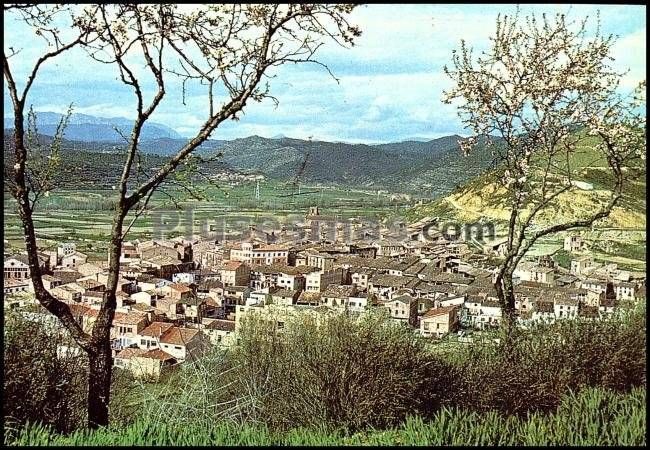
(178, 335)
(129, 353)
(156, 353)
(156, 329)
(339, 291)
(434, 312)
(130, 318)
(221, 325)
(178, 287)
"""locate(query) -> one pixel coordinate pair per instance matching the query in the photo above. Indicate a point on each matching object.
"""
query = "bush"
(38, 385)
(338, 372)
(41, 387)
(200, 391)
(544, 363)
(333, 372)
(563, 258)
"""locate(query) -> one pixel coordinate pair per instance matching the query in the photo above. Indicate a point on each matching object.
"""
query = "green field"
(85, 216)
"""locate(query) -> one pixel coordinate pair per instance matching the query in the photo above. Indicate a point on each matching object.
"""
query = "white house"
(624, 290)
(527, 271)
(16, 268)
(565, 308)
(579, 265)
(184, 277)
(438, 322)
(183, 343)
(573, 243)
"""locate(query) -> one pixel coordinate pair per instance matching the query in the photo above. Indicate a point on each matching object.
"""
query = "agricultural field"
(85, 216)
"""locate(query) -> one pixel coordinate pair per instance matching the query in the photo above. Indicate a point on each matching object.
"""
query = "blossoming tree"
(541, 94)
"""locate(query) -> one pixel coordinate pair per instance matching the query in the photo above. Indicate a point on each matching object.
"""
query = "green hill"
(483, 197)
(427, 169)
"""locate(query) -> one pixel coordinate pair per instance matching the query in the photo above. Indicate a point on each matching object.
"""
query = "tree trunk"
(506, 294)
(99, 385)
(100, 358)
(509, 305)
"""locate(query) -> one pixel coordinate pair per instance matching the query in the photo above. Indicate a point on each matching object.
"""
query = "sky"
(390, 83)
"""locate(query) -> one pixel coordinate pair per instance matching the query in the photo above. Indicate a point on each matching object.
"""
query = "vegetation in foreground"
(363, 382)
(592, 417)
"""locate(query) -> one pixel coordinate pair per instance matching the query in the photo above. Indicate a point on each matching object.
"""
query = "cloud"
(390, 83)
(630, 53)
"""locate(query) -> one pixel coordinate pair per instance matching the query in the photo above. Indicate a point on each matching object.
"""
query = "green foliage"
(203, 390)
(633, 250)
(340, 380)
(563, 258)
(337, 371)
(542, 364)
(592, 417)
(38, 385)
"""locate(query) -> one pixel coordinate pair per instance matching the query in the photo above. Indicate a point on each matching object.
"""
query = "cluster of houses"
(176, 298)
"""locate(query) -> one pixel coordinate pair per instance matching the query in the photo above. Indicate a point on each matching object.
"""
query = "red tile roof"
(438, 311)
(129, 353)
(222, 325)
(130, 318)
(178, 336)
(231, 265)
(182, 288)
(156, 329)
(157, 354)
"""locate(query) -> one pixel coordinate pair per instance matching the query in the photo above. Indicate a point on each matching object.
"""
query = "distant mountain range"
(82, 127)
(428, 168)
(435, 166)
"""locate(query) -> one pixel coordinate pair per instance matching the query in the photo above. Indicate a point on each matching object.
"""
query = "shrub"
(338, 371)
(39, 385)
(544, 363)
(198, 391)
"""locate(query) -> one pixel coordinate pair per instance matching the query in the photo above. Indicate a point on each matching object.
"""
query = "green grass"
(592, 417)
(85, 216)
(624, 249)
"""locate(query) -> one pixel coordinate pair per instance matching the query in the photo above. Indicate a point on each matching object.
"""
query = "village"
(179, 297)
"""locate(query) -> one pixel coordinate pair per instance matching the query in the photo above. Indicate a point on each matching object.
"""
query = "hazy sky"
(390, 86)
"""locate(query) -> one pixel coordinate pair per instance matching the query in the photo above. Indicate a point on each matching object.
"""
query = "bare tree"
(230, 49)
(547, 90)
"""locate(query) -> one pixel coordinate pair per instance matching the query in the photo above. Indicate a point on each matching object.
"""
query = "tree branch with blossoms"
(546, 89)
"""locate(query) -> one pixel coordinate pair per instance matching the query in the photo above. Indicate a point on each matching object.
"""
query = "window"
(178, 348)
